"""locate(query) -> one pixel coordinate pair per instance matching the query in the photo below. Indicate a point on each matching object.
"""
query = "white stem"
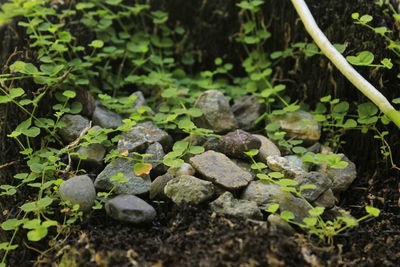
(338, 60)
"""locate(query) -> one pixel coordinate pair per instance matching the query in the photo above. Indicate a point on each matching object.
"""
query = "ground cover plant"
(134, 61)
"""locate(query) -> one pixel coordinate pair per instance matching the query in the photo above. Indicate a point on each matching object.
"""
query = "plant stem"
(341, 63)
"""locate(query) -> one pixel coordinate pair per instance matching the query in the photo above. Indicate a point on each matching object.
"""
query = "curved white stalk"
(341, 63)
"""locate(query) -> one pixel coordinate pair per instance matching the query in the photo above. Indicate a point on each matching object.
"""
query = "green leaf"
(272, 208)
(350, 123)
(372, 211)
(310, 221)
(276, 175)
(37, 234)
(180, 146)
(287, 215)
(171, 162)
(355, 15)
(11, 224)
(366, 110)
(299, 150)
(396, 100)
(287, 182)
(307, 187)
(317, 211)
(69, 94)
(142, 168)
(16, 92)
(6, 246)
(44, 202)
(195, 150)
(366, 18)
(28, 207)
(195, 112)
(252, 152)
(387, 62)
(96, 44)
(364, 58)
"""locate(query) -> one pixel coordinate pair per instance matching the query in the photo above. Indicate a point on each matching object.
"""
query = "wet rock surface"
(219, 169)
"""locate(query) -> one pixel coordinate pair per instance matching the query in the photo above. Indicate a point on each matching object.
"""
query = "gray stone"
(219, 169)
(79, 190)
(95, 152)
(158, 154)
(157, 186)
(235, 143)
(188, 189)
(74, 125)
(212, 143)
(140, 100)
(184, 169)
(247, 110)
(266, 194)
(227, 204)
(297, 161)
(134, 186)
(268, 148)
(299, 125)
(326, 200)
(281, 164)
(321, 182)
(142, 135)
(106, 118)
(341, 178)
(245, 166)
(129, 208)
(277, 224)
(217, 114)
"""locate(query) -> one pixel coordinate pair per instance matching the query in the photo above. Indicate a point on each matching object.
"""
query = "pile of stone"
(221, 176)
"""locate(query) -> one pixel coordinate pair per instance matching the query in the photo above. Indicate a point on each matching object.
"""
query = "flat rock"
(266, 194)
(157, 186)
(188, 189)
(106, 118)
(281, 164)
(299, 125)
(227, 204)
(134, 186)
(321, 182)
(74, 125)
(341, 178)
(247, 110)
(79, 190)
(217, 114)
(219, 169)
(235, 143)
(129, 208)
(267, 148)
(142, 135)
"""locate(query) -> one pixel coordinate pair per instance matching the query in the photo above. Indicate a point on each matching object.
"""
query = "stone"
(74, 125)
(217, 114)
(281, 164)
(277, 224)
(188, 189)
(140, 100)
(79, 190)
(247, 109)
(235, 143)
(315, 148)
(266, 194)
(95, 152)
(135, 185)
(142, 135)
(106, 118)
(245, 166)
(297, 161)
(184, 169)
(219, 169)
(267, 148)
(157, 186)
(158, 154)
(326, 200)
(227, 204)
(131, 209)
(212, 143)
(321, 182)
(341, 178)
(299, 125)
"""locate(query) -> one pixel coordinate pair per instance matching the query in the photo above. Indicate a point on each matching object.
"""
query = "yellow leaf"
(142, 168)
(125, 153)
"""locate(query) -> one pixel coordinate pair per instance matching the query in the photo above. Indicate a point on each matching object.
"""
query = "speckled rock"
(321, 182)
(157, 186)
(247, 109)
(129, 208)
(79, 190)
(267, 194)
(235, 143)
(142, 135)
(296, 160)
(341, 178)
(106, 118)
(74, 125)
(281, 164)
(227, 204)
(219, 169)
(267, 148)
(326, 200)
(184, 169)
(217, 114)
(188, 189)
(299, 125)
(134, 186)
